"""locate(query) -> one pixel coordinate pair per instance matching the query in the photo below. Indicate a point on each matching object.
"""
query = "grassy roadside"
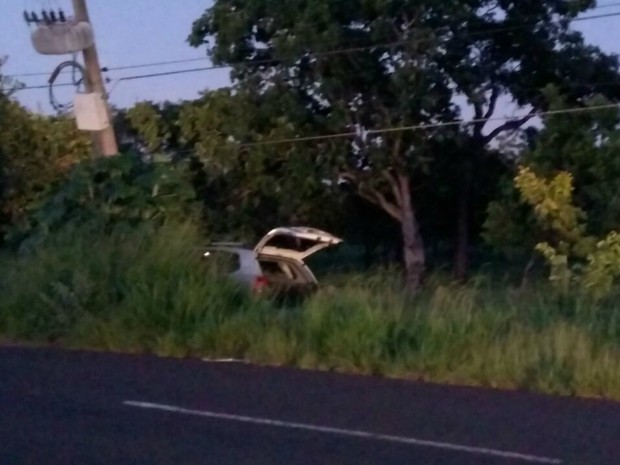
(144, 292)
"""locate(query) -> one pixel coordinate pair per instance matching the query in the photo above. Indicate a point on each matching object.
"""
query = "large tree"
(401, 64)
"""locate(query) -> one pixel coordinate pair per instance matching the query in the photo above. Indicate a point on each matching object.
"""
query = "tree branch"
(347, 176)
(392, 181)
(481, 116)
(477, 109)
(373, 196)
(478, 112)
(509, 126)
(492, 102)
(377, 198)
(394, 186)
(398, 143)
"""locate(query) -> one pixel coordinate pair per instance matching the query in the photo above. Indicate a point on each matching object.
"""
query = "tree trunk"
(461, 256)
(413, 246)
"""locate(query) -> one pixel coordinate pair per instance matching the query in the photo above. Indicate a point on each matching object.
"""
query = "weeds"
(150, 292)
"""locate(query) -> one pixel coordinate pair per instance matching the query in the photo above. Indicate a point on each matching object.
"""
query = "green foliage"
(510, 229)
(35, 152)
(149, 122)
(146, 280)
(577, 261)
(125, 190)
(246, 186)
(583, 144)
(552, 203)
(602, 271)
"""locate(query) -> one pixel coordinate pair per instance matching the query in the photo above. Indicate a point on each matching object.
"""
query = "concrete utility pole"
(104, 141)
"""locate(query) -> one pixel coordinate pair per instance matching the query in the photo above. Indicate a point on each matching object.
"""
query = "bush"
(147, 280)
(579, 262)
(126, 191)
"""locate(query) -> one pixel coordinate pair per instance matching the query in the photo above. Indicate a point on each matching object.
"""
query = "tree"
(484, 50)
(583, 144)
(374, 163)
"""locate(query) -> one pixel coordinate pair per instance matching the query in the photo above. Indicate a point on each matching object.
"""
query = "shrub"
(152, 278)
(577, 260)
(123, 191)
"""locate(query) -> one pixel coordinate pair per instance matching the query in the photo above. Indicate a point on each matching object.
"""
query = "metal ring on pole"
(74, 65)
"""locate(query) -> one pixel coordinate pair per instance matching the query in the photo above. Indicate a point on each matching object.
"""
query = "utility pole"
(104, 141)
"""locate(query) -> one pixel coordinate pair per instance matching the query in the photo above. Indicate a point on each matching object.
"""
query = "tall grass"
(134, 290)
(150, 292)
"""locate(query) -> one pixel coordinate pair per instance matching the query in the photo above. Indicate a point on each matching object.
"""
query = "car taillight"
(260, 284)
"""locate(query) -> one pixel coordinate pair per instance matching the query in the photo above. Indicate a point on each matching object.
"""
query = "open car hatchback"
(276, 265)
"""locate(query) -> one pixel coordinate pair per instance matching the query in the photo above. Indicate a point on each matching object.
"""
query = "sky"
(135, 32)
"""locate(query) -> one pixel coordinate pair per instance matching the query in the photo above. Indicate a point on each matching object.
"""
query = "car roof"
(230, 248)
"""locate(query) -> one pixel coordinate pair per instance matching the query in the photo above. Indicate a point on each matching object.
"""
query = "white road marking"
(224, 360)
(346, 432)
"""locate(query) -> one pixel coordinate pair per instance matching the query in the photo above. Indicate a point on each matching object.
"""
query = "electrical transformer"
(62, 38)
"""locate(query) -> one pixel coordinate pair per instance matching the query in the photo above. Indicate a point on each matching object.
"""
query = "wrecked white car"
(277, 263)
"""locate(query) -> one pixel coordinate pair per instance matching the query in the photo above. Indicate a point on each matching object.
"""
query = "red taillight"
(260, 284)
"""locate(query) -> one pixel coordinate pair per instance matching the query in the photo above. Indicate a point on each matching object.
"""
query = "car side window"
(227, 262)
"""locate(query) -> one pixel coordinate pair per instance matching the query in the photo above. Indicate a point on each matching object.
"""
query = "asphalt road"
(84, 408)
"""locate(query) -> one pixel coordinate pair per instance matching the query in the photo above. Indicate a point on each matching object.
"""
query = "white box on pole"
(90, 112)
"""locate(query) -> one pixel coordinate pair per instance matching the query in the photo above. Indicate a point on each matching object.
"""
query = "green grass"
(150, 292)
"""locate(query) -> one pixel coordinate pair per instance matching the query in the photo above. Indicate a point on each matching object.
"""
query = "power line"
(184, 71)
(490, 31)
(159, 63)
(388, 130)
(122, 68)
(171, 73)
(132, 78)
